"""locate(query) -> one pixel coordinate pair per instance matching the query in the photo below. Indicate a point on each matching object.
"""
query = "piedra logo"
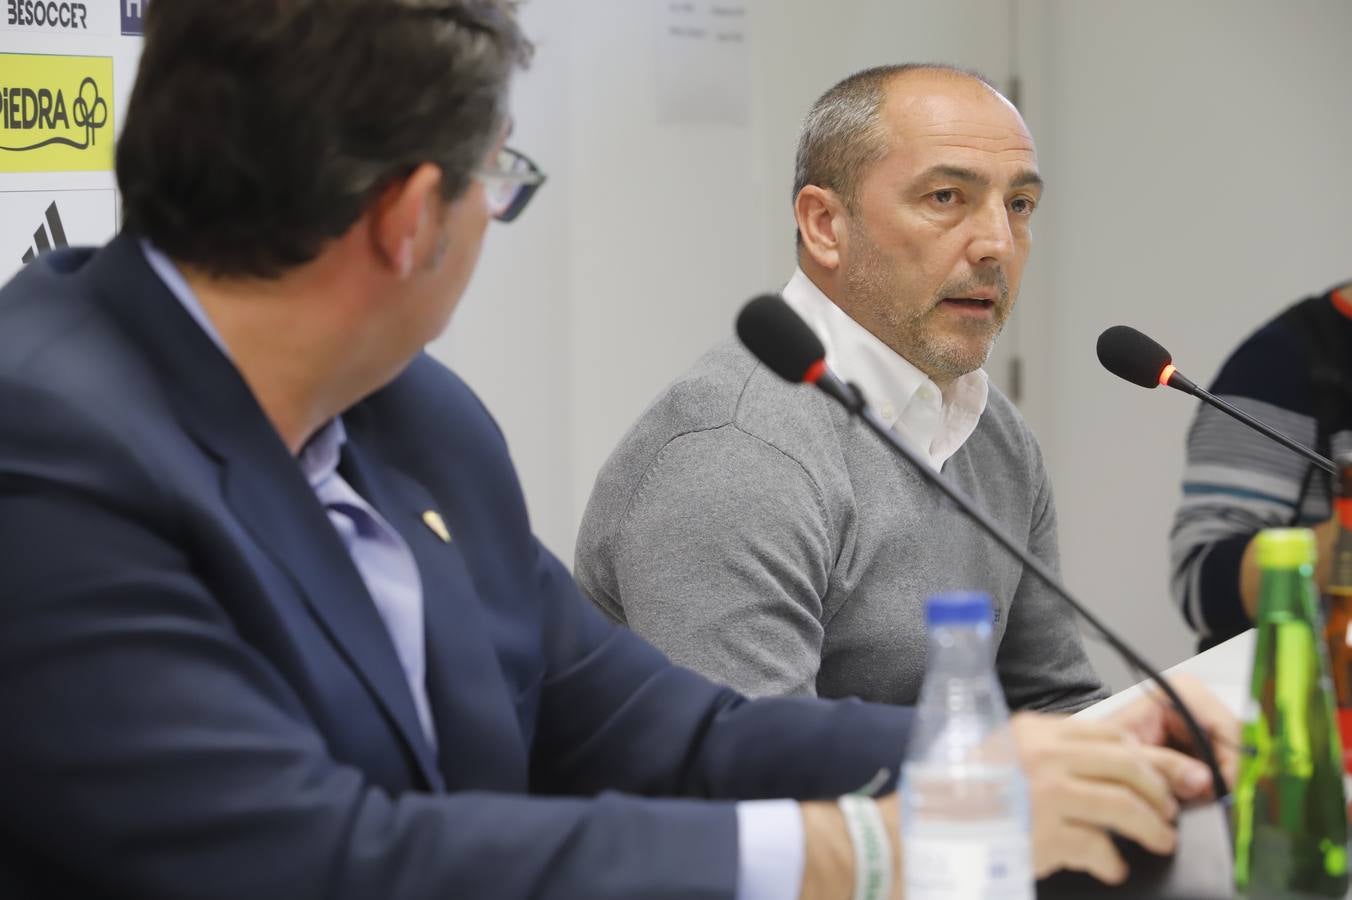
(55, 113)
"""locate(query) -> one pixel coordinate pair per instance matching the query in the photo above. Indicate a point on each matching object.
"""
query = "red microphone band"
(815, 371)
(1342, 300)
(1166, 373)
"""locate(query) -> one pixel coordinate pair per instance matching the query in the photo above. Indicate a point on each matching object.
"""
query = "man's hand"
(1084, 779)
(1153, 721)
(1124, 774)
(1325, 534)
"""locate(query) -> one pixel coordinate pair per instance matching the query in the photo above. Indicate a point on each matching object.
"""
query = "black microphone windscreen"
(778, 337)
(1133, 356)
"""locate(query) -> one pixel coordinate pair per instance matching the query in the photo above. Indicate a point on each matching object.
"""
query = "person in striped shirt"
(1295, 374)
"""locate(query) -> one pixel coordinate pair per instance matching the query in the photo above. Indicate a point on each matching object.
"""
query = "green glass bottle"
(1338, 606)
(1290, 821)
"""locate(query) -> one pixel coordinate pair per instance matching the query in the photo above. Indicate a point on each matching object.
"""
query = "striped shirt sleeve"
(1237, 482)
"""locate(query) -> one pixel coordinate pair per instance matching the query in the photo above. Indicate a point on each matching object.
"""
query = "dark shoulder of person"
(1268, 366)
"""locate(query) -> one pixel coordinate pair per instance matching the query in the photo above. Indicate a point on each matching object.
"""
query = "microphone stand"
(853, 400)
(1179, 382)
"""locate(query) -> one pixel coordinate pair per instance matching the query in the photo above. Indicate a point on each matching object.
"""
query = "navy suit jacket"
(199, 699)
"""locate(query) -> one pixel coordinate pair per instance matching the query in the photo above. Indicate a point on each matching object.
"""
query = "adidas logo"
(49, 236)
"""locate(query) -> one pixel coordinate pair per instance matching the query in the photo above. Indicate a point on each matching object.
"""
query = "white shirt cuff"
(769, 850)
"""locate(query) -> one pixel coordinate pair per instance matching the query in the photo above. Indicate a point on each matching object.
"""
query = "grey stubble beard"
(870, 285)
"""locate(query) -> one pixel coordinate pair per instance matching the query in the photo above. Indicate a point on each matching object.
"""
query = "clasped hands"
(1126, 774)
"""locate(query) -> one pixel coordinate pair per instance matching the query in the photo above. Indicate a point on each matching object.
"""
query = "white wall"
(509, 337)
(1197, 156)
(636, 255)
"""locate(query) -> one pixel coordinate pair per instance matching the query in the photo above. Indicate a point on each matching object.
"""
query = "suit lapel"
(263, 483)
(479, 738)
(288, 521)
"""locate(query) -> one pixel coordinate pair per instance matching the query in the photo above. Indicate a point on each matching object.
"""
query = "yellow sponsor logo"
(56, 113)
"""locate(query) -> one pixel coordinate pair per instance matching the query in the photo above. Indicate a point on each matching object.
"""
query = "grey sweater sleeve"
(1041, 661)
(720, 558)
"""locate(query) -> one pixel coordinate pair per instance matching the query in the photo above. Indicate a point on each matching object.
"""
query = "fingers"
(1221, 726)
(1128, 765)
(1213, 715)
(1074, 816)
(1188, 778)
(1089, 779)
(1093, 778)
(1108, 806)
(1112, 789)
(1100, 752)
(1154, 720)
(1228, 757)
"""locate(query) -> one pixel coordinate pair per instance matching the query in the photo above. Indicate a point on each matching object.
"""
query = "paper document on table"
(703, 65)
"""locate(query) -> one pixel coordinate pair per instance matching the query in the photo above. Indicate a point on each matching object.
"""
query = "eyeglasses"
(510, 180)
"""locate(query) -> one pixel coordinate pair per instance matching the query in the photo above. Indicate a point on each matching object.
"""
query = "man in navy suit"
(272, 619)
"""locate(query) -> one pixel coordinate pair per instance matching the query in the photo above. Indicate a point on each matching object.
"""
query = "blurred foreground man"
(752, 530)
(272, 620)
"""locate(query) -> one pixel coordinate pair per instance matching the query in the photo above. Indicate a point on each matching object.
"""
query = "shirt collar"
(935, 422)
(173, 279)
(319, 457)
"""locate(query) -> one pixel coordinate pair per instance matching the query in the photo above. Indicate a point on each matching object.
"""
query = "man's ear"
(821, 218)
(403, 224)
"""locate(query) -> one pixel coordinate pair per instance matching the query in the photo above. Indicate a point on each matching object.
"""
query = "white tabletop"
(1224, 668)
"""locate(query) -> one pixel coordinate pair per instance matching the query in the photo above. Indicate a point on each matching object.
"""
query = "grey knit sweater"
(753, 533)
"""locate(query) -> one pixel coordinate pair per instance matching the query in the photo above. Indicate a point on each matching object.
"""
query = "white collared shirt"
(935, 422)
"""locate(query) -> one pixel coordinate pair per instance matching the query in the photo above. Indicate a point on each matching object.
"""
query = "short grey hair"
(843, 134)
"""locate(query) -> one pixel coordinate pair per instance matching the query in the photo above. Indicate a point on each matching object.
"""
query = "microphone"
(766, 327)
(1134, 357)
(788, 347)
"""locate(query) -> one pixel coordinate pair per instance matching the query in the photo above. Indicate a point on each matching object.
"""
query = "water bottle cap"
(1285, 548)
(959, 608)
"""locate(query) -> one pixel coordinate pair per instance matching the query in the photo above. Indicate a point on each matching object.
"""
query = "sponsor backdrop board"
(55, 16)
(54, 113)
(132, 11)
(66, 71)
(37, 222)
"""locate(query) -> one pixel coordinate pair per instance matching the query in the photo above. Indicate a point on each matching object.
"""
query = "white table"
(1225, 669)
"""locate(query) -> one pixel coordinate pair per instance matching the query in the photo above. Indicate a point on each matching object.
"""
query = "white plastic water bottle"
(964, 798)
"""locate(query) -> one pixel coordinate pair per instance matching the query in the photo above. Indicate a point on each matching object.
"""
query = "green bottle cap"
(1285, 548)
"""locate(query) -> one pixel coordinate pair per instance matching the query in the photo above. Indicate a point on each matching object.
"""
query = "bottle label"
(1343, 507)
(1345, 732)
(989, 861)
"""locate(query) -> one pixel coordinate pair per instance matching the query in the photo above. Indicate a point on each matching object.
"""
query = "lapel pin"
(434, 523)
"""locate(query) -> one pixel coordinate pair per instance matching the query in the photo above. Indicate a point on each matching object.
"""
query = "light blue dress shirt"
(382, 557)
(769, 832)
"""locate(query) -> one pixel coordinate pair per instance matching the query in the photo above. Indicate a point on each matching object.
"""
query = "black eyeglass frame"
(527, 182)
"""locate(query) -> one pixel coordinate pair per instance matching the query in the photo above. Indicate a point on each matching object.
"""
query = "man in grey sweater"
(751, 531)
